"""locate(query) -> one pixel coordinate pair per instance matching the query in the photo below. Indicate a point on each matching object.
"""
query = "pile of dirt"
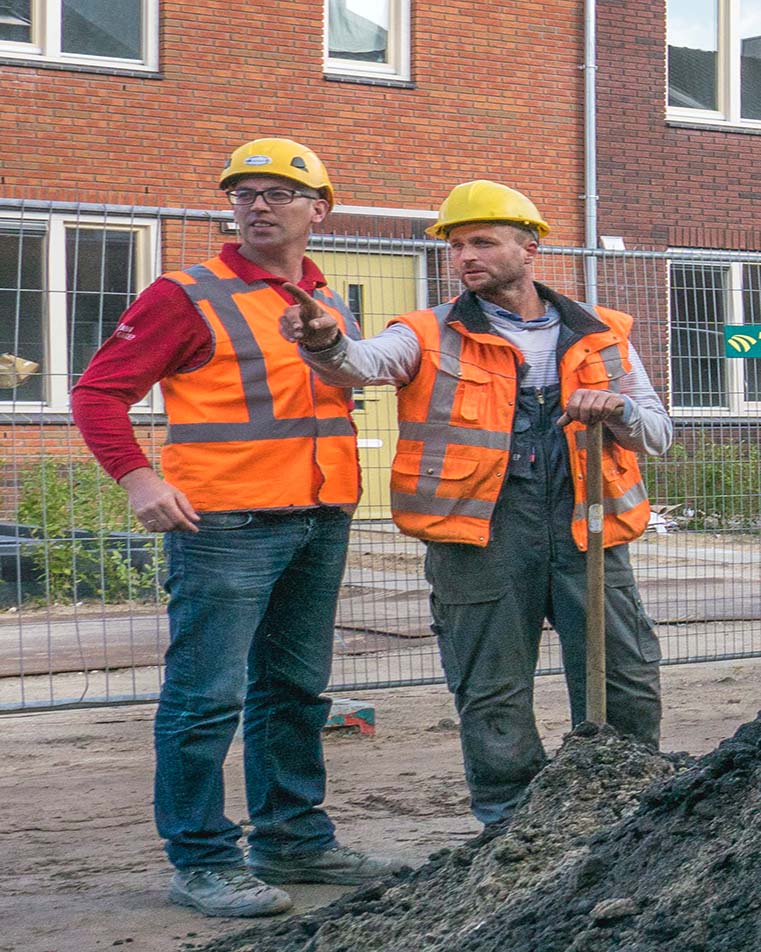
(615, 849)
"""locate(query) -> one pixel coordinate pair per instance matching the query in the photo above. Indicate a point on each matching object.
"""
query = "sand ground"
(83, 869)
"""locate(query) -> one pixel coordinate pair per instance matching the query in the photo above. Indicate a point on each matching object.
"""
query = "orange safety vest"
(456, 419)
(253, 428)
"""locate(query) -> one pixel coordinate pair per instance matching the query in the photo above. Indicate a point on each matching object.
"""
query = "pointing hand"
(307, 322)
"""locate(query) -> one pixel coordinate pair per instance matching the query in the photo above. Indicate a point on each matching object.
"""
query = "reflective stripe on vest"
(611, 357)
(436, 440)
(617, 505)
(262, 424)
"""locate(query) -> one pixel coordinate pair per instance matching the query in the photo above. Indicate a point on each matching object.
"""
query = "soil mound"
(615, 849)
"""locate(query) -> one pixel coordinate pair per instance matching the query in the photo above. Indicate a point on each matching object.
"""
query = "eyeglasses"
(277, 195)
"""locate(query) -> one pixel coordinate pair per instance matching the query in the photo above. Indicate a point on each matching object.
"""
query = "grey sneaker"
(227, 891)
(340, 865)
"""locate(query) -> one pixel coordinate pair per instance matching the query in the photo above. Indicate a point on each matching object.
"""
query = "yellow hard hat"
(282, 157)
(482, 200)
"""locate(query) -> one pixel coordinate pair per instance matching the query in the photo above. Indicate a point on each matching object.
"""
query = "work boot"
(339, 864)
(226, 891)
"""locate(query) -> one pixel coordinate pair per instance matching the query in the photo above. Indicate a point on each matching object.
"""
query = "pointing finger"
(299, 294)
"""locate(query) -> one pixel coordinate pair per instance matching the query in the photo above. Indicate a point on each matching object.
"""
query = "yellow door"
(376, 287)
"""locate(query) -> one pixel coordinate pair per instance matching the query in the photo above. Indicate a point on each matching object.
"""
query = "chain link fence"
(82, 617)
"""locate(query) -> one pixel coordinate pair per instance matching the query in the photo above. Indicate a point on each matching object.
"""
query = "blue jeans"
(251, 616)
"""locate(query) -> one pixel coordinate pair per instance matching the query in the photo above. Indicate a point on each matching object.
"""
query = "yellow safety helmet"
(282, 157)
(486, 201)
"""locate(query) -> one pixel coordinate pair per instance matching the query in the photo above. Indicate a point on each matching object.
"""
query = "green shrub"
(710, 485)
(76, 509)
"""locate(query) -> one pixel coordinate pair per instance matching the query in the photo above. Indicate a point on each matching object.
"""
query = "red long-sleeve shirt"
(160, 334)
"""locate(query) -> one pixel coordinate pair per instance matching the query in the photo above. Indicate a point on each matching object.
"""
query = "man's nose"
(259, 202)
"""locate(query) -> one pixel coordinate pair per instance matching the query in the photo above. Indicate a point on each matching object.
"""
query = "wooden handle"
(596, 706)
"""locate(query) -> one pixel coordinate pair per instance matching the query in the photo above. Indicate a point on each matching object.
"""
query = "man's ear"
(320, 210)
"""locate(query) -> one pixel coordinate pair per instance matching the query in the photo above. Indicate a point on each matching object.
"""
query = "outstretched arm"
(391, 357)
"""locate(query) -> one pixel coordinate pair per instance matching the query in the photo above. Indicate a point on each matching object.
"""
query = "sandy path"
(82, 869)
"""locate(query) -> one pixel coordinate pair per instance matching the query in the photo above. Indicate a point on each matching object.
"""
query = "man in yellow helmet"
(260, 477)
(495, 390)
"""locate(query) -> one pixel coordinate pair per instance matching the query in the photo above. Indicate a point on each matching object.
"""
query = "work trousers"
(489, 606)
(251, 615)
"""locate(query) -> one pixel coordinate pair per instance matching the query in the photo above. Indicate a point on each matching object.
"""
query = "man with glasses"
(260, 477)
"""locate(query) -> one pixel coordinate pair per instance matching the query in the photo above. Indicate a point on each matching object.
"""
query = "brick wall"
(496, 93)
(26, 445)
(661, 184)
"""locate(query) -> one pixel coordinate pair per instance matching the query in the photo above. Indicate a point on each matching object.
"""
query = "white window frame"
(56, 383)
(46, 40)
(399, 38)
(727, 75)
(737, 406)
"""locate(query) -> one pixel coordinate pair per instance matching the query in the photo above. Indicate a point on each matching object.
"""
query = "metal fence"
(82, 619)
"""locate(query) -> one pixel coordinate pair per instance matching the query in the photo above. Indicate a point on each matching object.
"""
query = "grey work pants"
(489, 652)
(489, 606)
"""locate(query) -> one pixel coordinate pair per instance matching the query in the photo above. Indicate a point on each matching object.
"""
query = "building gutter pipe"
(590, 150)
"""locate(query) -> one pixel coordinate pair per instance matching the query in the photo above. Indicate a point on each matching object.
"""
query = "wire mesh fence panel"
(82, 608)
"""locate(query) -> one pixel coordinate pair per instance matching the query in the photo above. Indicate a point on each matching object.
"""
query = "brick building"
(117, 119)
(679, 127)
(463, 99)
(115, 114)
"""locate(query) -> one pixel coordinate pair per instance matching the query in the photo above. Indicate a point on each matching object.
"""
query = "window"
(714, 61)
(116, 33)
(22, 299)
(705, 297)
(368, 38)
(63, 286)
(355, 298)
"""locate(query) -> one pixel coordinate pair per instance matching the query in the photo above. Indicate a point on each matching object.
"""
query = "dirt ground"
(82, 868)
(614, 848)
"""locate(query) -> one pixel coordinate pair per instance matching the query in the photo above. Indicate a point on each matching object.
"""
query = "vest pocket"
(595, 373)
(469, 388)
(430, 476)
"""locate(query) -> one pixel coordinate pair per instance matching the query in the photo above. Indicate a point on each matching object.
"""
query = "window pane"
(693, 53)
(22, 306)
(355, 294)
(697, 336)
(752, 315)
(102, 28)
(100, 278)
(16, 21)
(750, 53)
(358, 30)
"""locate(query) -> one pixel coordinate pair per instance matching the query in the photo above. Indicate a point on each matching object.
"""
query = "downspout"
(590, 151)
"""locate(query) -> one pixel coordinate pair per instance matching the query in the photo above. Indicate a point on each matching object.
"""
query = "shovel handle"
(596, 706)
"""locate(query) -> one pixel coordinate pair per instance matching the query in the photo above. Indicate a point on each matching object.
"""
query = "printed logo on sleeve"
(125, 331)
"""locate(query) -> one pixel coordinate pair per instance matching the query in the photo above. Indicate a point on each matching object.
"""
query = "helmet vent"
(298, 163)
